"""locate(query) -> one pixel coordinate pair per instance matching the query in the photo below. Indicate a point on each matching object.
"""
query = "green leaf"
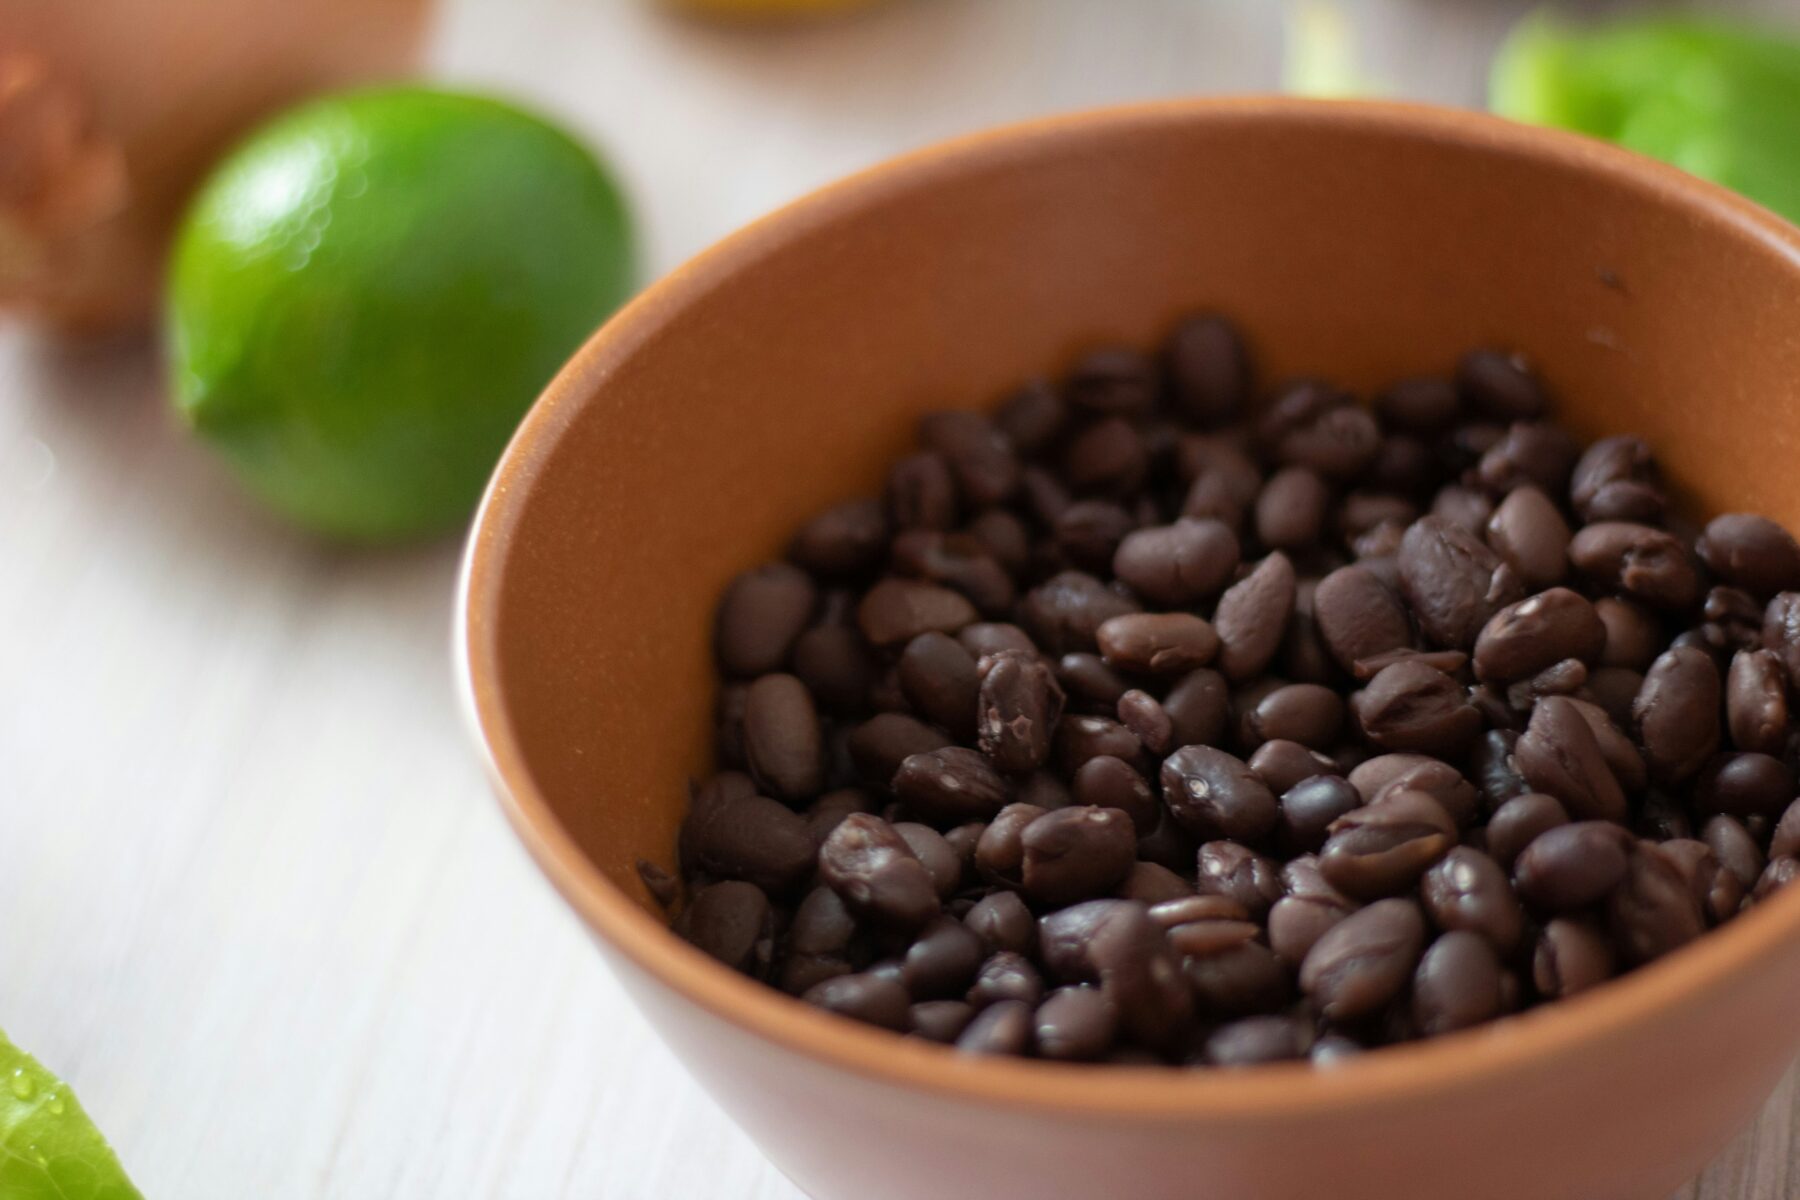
(49, 1150)
(1718, 99)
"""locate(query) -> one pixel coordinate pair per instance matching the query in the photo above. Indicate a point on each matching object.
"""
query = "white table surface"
(255, 899)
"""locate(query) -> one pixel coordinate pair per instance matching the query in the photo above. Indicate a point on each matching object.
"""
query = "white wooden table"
(255, 900)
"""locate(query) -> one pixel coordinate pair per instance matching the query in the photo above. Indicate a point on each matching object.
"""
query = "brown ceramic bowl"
(781, 370)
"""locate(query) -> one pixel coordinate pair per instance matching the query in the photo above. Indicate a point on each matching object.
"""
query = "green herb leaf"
(49, 1150)
(1720, 100)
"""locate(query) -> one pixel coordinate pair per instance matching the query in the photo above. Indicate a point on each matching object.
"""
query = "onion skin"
(111, 111)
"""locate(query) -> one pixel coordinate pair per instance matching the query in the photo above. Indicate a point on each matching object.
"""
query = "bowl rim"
(1474, 1058)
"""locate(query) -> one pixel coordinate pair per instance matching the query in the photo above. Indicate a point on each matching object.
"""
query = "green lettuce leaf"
(1718, 99)
(49, 1150)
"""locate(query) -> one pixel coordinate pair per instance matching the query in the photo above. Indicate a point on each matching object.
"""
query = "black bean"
(752, 838)
(1091, 683)
(1616, 480)
(1467, 890)
(1019, 704)
(834, 663)
(1076, 1024)
(1252, 616)
(879, 745)
(1571, 956)
(1152, 883)
(941, 860)
(1382, 849)
(1633, 637)
(1751, 552)
(1572, 866)
(1003, 922)
(1410, 706)
(921, 493)
(1784, 842)
(1781, 631)
(1199, 704)
(1209, 370)
(1283, 765)
(1006, 976)
(1745, 784)
(950, 786)
(1453, 581)
(1064, 612)
(824, 814)
(939, 678)
(1076, 854)
(1365, 960)
(1457, 984)
(732, 921)
(1499, 385)
(1254, 1040)
(1223, 480)
(1088, 532)
(1530, 534)
(1421, 405)
(1213, 794)
(1466, 508)
(1359, 616)
(872, 868)
(1180, 564)
(1654, 910)
(940, 964)
(1239, 874)
(1737, 852)
(845, 540)
(991, 637)
(1000, 853)
(1559, 755)
(1677, 713)
(1157, 643)
(980, 456)
(782, 741)
(1309, 807)
(1146, 717)
(866, 997)
(1290, 511)
(1531, 635)
(1378, 777)
(1114, 943)
(1113, 783)
(1107, 457)
(1005, 1027)
(1778, 874)
(1640, 561)
(1033, 417)
(1006, 538)
(761, 613)
(1079, 739)
(941, 1021)
(1718, 891)
(1756, 706)
(960, 562)
(1308, 713)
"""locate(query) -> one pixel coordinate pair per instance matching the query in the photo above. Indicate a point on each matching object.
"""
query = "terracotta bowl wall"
(783, 370)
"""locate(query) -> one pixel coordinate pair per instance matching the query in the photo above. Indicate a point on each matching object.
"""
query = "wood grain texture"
(259, 905)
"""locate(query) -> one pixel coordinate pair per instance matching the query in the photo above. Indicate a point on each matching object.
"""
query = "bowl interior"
(783, 370)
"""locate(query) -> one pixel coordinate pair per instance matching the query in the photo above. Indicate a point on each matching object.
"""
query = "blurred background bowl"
(783, 369)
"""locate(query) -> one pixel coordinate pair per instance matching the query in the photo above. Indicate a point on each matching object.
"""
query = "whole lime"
(367, 295)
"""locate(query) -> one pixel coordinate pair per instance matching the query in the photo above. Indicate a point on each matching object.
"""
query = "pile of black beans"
(1150, 720)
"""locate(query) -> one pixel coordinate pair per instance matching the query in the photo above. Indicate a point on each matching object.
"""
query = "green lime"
(368, 294)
